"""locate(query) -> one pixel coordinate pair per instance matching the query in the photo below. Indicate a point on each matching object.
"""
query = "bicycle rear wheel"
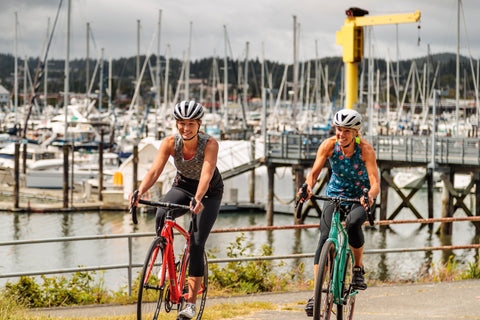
(323, 296)
(151, 289)
(345, 310)
(202, 293)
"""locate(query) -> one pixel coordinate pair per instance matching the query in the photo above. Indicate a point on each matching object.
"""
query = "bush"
(24, 292)
(249, 276)
(473, 271)
(55, 291)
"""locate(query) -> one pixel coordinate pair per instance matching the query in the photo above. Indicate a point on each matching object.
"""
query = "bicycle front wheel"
(151, 288)
(202, 293)
(323, 296)
(345, 310)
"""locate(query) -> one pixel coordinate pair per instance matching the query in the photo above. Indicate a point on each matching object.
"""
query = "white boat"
(411, 178)
(48, 173)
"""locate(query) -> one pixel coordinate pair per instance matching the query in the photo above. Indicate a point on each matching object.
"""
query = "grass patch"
(452, 270)
(215, 312)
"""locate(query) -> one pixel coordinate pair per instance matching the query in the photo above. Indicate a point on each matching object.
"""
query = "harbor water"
(71, 254)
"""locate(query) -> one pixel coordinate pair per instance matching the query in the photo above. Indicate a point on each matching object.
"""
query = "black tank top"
(189, 171)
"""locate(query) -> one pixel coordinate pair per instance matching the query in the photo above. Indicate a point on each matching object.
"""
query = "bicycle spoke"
(151, 291)
(202, 293)
(345, 310)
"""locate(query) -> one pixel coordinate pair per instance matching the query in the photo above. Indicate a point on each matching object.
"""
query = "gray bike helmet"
(348, 118)
(188, 110)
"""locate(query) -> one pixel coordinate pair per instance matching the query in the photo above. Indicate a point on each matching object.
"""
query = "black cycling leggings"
(353, 223)
(205, 220)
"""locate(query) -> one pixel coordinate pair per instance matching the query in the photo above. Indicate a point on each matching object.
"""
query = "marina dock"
(446, 155)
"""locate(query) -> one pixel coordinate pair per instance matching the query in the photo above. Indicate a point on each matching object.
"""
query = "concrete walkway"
(445, 300)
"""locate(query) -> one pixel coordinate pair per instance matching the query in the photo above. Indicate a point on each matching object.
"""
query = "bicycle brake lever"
(133, 209)
(299, 204)
(367, 201)
(303, 195)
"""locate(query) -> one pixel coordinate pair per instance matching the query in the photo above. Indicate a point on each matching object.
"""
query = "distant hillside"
(124, 72)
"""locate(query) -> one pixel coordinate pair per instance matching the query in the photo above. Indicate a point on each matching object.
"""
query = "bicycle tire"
(323, 296)
(204, 288)
(151, 291)
(345, 310)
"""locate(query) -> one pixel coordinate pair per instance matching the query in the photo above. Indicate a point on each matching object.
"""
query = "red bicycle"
(164, 279)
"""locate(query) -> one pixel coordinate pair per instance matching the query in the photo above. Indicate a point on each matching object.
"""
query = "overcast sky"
(268, 22)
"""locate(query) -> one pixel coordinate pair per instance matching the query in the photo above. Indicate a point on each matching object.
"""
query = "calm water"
(24, 258)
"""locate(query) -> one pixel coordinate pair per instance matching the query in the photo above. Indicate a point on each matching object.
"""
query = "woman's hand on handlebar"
(369, 204)
(304, 193)
(134, 197)
(196, 206)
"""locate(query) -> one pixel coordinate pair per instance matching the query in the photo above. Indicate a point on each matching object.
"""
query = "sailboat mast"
(138, 50)
(67, 69)
(295, 70)
(457, 77)
(25, 72)
(45, 70)
(87, 71)
(370, 82)
(398, 67)
(15, 48)
(388, 90)
(165, 90)
(100, 84)
(225, 80)
(245, 80)
(187, 67)
(110, 86)
(214, 80)
(159, 66)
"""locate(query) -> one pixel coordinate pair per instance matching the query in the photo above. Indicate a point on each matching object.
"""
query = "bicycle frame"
(169, 258)
(341, 251)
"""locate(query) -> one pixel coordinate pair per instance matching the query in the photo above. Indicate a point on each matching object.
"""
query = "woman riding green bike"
(354, 168)
(195, 156)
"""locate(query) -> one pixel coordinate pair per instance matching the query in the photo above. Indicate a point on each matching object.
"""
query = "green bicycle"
(333, 286)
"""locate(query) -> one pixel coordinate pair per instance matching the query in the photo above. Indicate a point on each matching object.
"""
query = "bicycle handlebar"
(168, 205)
(303, 195)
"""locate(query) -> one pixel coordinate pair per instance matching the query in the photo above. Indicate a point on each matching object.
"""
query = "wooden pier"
(443, 154)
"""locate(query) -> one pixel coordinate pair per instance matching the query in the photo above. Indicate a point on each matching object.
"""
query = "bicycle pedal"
(360, 287)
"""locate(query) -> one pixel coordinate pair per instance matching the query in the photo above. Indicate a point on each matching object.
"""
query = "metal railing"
(131, 265)
(465, 151)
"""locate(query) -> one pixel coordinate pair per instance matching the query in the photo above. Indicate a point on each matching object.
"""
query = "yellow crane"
(351, 38)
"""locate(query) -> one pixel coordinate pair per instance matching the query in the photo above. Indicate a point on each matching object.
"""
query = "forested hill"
(124, 71)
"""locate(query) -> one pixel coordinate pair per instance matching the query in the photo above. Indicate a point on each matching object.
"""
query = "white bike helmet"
(188, 110)
(348, 118)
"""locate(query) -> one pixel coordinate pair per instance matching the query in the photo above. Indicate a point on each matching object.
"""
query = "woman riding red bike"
(195, 157)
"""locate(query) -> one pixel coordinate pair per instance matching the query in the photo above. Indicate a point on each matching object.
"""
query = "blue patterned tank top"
(349, 175)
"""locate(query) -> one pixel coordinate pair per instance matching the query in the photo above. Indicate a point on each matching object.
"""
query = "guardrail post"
(16, 171)
(130, 246)
(252, 172)
(271, 192)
